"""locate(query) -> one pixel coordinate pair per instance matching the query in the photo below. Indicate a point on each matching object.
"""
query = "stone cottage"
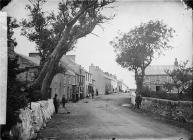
(155, 76)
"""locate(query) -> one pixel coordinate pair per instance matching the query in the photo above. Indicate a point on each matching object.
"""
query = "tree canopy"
(136, 49)
(37, 28)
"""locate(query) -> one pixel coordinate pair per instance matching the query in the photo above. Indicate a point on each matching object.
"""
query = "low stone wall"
(32, 120)
(178, 110)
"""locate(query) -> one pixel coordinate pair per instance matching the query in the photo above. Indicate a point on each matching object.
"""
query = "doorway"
(158, 88)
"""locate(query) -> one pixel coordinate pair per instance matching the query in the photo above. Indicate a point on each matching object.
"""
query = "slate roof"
(65, 61)
(69, 72)
(34, 61)
(158, 69)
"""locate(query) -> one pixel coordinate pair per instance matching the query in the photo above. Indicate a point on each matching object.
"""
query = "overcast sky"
(97, 50)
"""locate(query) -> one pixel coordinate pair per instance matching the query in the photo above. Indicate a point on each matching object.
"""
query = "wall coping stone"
(169, 101)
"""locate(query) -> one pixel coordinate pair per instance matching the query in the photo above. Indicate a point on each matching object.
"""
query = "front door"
(158, 88)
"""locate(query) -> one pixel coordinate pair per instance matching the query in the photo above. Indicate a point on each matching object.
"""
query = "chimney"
(34, 55)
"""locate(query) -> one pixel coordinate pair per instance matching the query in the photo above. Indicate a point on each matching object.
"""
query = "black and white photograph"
(96, 69)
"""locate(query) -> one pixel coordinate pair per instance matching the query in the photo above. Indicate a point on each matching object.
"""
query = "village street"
(104, 117)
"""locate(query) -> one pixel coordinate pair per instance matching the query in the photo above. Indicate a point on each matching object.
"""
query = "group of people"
(57, 102)
(92, 94)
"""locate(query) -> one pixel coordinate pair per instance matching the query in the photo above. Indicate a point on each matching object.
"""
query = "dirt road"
(105, 118)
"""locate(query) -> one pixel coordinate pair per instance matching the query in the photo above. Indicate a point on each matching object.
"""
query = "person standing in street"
(97, 92)
(138, 101)
(92, 93)
(63, 101)
(56, 103)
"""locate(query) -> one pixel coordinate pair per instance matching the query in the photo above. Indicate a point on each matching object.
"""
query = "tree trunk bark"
(139, 85)
(53, 64)
(139, 81)
(46, 83)
(142, 77)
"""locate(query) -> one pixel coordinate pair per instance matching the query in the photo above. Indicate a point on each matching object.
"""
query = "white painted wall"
(98, 76)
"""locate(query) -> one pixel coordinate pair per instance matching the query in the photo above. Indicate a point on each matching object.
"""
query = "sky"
(129, 14)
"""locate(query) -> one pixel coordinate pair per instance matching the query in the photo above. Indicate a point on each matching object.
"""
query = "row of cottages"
(98, 76)
(110, 83)
(75, 82)
(105, 82)
(155, 76)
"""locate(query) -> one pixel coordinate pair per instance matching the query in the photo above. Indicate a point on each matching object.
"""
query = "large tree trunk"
(140, 85)
(49, 77)
(50, 72)
(53, 58)
(47, 82)
(142, 77)
(139, 80)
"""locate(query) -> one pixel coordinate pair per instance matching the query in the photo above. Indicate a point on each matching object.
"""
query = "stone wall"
(32, 120)
(177, 110)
